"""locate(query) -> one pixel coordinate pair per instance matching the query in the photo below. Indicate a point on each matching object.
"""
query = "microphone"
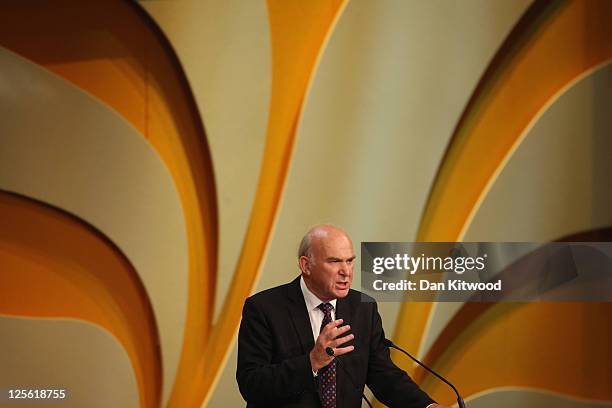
(389, 343)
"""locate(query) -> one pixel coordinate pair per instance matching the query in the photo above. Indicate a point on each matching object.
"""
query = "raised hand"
(330, 337)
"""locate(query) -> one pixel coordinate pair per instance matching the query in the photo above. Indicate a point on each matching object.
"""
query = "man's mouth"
(342, 285)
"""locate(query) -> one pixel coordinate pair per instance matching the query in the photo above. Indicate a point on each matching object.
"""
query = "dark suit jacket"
(275, 340)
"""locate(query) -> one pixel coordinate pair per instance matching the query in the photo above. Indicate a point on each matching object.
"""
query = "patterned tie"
(328, 373)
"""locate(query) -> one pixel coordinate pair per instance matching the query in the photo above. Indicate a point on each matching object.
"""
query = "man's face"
(328, 271)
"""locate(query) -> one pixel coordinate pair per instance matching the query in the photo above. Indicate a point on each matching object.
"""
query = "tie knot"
(326, 308)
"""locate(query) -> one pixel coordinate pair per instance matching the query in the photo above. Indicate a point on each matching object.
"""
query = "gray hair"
(305, 243)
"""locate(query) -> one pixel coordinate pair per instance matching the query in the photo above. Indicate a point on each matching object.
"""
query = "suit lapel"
(299, 315)
(343, 311)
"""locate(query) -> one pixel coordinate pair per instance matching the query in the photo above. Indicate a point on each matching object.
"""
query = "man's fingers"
(331, 333)
(331, 330)
(343, 350)
(333, 324)
(342, 340)
(340, 330)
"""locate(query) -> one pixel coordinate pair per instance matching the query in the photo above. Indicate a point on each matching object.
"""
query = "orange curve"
(552, 45)
(551, 346)
(522, 76)
(559, 347)
(299, 32)
(55, 265)
(114, 51)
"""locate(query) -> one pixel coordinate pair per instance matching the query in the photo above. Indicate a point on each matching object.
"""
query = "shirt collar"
(312, 301)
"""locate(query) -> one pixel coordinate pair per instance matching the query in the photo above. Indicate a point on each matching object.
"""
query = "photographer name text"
(427, 285)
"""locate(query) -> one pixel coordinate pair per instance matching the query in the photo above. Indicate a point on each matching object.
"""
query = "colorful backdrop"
(160, 161)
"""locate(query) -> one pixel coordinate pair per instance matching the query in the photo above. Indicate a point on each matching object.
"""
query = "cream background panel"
(77, 356)
(559, 174)
(224, 48)
(64, 147)
(390, 87)
(556, 183)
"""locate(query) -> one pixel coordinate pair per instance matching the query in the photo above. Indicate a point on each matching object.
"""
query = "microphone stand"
(389, 343)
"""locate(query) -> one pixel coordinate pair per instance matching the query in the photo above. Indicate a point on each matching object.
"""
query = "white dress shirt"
(312, 304)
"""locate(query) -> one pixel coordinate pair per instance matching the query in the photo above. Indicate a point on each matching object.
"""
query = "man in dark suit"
(279, 362)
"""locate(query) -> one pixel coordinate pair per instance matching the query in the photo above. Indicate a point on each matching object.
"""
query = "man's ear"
(304, 265)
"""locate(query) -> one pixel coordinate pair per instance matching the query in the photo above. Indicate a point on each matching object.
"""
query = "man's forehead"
(328, 232)
(339, 245)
